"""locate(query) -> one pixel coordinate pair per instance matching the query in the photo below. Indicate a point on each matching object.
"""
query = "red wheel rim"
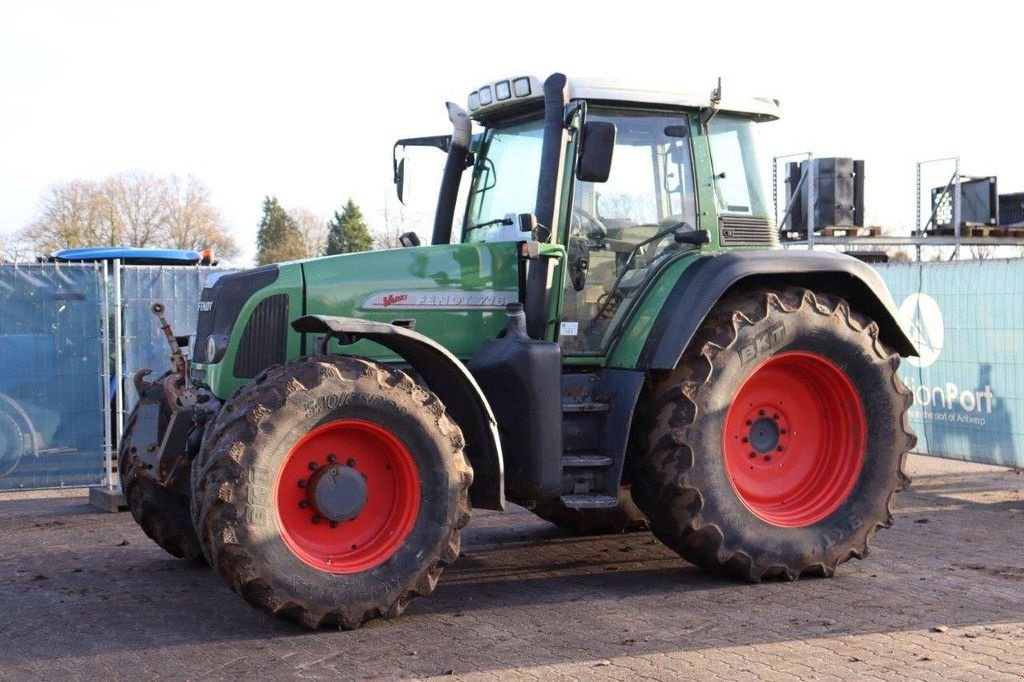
(375, 465)
(794, 439)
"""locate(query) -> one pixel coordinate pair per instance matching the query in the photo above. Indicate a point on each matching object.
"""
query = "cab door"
(618, 231)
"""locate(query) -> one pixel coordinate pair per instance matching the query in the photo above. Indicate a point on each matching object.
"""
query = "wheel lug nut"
(744, 440)
(775, 417)
(303, 504)
(779, 449)
(752, 454)
(749, 422)
(767, 458)
(315, 518)
(303, 483)
(334, 524)
(350, 462)
(783, 431)
(760, 413)
(332, 458)
(313, 466)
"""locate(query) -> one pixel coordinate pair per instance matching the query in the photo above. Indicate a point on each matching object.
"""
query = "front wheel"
(331, 490)
(777, 446)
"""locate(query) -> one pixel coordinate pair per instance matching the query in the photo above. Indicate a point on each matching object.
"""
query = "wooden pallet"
(978, 231)
(870, 231)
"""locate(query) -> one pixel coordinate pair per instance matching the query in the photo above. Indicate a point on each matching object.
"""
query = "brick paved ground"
(86, 595)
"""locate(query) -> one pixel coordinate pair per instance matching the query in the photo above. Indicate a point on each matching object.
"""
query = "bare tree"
(129, 209)
(396, 220)
(193, 222)
(14, 248)
(70, 215)
(135, 208)
(312, 230)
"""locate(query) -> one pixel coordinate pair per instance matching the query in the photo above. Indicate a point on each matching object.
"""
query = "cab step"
(580, 460)
(590, 501)
(585, 407)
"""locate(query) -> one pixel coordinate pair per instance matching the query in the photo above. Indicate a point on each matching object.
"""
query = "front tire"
(777, 446)
(163, 514)
(331, 490)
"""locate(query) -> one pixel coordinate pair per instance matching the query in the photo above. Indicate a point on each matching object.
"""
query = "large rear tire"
(162, 514)
(331, 490)
(777, 446)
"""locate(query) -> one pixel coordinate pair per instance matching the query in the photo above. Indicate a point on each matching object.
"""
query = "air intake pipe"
(458, 152)
(556, 97)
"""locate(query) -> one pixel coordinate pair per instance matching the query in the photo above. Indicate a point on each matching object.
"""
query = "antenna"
(709, 111)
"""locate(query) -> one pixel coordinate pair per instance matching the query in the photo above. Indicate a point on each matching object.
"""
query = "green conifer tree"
(278, 238)
(347, 232)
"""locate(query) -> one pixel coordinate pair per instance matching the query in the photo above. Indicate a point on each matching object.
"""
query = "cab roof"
(484, 102)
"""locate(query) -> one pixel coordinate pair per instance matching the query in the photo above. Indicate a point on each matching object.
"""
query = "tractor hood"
(453, 293)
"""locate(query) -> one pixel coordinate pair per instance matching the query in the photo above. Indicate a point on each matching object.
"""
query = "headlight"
(502, 91)
(521, 87)
(211, 348)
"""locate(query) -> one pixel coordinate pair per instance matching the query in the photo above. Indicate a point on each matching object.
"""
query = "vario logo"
(922, 320)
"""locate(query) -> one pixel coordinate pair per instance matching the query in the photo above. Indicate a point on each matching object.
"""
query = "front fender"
(447, 377)
(708, 279)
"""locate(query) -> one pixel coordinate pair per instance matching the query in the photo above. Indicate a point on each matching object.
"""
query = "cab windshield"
(505, 176)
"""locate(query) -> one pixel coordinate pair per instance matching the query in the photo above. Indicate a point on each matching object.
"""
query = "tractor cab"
(639, 178)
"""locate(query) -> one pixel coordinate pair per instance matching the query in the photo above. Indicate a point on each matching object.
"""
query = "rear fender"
(705, 282)
(447, 377)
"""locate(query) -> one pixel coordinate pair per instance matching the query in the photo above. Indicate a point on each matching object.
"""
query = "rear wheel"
(626, 518)
(777, 446)
(331, 490)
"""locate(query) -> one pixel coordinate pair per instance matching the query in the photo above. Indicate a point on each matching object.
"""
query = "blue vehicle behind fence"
(57, 378)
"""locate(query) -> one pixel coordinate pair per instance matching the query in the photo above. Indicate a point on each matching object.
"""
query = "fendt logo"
(922, 319)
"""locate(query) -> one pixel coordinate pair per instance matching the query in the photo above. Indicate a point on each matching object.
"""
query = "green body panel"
(704, 174)
(456, 293)
(626, 351)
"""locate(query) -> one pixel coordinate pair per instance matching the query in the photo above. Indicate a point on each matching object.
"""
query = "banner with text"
(967, 319)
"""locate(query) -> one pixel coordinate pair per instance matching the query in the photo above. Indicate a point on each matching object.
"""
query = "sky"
(304, 100)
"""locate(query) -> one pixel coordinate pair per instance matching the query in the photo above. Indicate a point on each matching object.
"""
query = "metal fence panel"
(178, 288)
(52, 364)
(966, 318)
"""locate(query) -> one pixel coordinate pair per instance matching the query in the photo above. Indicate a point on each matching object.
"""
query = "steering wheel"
(597, 231)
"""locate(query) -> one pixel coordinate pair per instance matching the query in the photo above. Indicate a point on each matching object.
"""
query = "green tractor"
(616, 325)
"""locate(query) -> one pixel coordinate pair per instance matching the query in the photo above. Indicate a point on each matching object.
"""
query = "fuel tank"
(521, 378)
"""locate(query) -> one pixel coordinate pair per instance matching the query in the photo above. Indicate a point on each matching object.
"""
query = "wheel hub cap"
(764, 435)
(338, 493)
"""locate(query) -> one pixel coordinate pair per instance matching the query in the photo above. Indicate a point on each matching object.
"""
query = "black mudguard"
(446, 376)
(705, 282)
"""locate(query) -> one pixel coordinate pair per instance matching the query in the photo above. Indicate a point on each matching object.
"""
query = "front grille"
(220, 305)
(747, 231)
(264, 341)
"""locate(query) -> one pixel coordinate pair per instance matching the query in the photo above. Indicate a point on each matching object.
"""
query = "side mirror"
(598, 143)
(400, 180)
